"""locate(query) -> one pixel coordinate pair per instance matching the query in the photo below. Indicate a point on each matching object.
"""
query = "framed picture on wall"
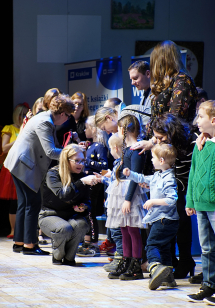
(194, 60)
(132, 14)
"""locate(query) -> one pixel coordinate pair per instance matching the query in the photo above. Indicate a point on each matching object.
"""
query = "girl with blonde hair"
(66, 204)
(7, 188)
(125, 202)
(96, 161)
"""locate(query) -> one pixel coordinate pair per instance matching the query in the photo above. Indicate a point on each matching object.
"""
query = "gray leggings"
(65, 235)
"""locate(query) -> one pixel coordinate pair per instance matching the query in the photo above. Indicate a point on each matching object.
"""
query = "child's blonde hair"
(166, 151)
(115, 140)
(64, 168)
(102, 113)
(19, 114)
(99, 133)
(37, 102)
(209, 107)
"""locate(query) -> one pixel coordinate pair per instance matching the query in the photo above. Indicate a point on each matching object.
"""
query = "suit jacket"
(30, 156)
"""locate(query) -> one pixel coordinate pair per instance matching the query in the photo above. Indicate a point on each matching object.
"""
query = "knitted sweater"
(201, 183)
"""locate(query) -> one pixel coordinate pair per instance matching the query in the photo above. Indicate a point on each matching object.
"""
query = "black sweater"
(54, 198)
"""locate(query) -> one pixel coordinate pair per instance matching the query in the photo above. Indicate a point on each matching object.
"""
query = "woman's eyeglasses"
(78, 162)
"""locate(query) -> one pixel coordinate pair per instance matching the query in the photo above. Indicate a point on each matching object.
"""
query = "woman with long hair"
(66, 204)
(173, 89)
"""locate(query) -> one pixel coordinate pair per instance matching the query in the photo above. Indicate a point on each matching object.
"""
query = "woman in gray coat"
(28, 161)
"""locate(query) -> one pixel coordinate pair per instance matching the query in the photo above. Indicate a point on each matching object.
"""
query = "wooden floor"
(32, 281)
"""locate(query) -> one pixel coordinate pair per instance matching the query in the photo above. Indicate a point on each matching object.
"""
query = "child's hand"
(190, 211)
(200, 141)
(98, 176)
(106, 173)
(126, 171)
(144, 185)
(126, 207)
(83, 145)
(148, 204)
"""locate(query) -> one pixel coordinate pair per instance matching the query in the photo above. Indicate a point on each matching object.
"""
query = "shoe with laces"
(107, 247)
(111, 267)
(204, 292)
(88, 250)
(210, 300)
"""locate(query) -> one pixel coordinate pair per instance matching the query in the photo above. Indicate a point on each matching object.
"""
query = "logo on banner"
(83, 73)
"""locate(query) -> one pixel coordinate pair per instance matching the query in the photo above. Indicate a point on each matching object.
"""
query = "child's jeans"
(206, 228)
(159, 241)
(116, 236)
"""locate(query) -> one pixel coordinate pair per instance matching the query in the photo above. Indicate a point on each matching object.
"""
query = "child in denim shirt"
(162, 213)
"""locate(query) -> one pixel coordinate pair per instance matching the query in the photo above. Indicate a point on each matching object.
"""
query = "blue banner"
(99, 79)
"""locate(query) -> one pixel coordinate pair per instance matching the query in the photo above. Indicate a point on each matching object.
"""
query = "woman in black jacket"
(65, 206)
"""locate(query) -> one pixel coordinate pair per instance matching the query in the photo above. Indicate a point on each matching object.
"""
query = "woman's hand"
(75, 137)
(89, 180)
(29, 114)
(126, 171)
(126, 207)
(200, 141)
(144, 145)
(190, 211)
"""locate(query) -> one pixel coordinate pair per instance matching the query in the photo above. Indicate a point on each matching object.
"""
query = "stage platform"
(32, 281)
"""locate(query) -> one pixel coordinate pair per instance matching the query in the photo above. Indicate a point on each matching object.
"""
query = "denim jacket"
(163, 185)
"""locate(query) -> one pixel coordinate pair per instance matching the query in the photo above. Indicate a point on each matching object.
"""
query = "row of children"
(129, 209)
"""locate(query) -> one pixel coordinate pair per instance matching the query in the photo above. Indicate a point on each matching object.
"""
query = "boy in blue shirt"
(162, 213)
(200, 199)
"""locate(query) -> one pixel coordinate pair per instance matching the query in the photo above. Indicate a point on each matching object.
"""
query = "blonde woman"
(66, 204)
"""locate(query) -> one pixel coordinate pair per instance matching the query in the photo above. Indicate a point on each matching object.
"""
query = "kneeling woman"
(65, 206)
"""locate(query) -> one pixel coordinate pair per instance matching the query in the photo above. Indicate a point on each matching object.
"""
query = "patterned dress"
(179, 98)
(123, 190)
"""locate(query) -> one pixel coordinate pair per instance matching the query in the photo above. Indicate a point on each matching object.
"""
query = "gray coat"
(30, 156)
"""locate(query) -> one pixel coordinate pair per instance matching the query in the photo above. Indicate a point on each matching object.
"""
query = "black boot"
(197, 279)
(121, 268)
(184, 267)
(158, 273)
(134, 271)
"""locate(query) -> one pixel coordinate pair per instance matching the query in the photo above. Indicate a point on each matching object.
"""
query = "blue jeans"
(116, 236)
(159, 241)
(206, 228)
